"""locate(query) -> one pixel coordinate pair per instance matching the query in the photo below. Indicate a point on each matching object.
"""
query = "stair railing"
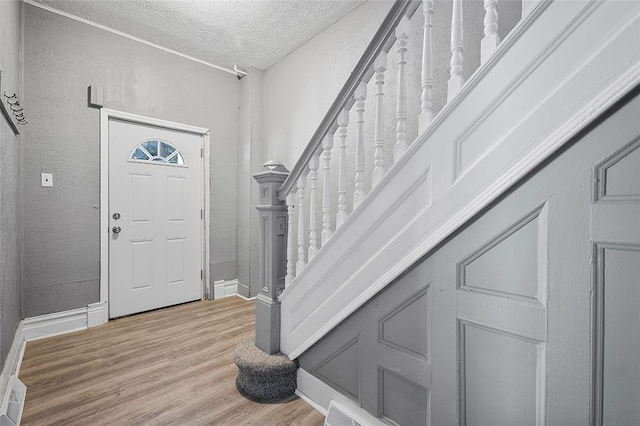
(313, 225)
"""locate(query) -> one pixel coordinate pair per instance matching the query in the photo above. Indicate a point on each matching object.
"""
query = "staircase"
(422, 147)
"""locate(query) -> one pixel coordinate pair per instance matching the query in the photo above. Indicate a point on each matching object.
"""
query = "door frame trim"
(107, 114)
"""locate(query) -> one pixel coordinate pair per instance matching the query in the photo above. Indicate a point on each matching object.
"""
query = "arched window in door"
(157, 151)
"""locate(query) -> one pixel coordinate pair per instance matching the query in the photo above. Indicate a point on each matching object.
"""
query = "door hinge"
(201, 152)
(201, 274)
(201, 214)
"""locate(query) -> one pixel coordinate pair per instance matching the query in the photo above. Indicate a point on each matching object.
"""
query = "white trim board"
(14, 359)
(222, 289)
(10, 385)
(319, 395)
(107, 114)
(129, 36)
(44, 326)
(248, 299)
(58, 323)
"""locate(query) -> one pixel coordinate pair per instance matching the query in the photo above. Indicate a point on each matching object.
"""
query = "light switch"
(47, 179)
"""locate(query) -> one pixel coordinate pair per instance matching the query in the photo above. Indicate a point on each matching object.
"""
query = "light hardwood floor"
(172, 366)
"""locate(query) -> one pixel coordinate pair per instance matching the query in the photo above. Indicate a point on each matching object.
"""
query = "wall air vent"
(338, 415)
(341, 414)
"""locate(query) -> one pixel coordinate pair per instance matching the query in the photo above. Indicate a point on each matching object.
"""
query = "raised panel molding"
(512, 263)
(616, 372)
(342, 370)
(511, 317)
(176, 260)
(142, 264)
(502, 316)
(176, 198)
(617, 178)
(141, 194)
(402, 401)
(469, 150)
(407, 327)
(501, 378)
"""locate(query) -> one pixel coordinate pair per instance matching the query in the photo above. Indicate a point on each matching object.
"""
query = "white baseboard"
(14, 359)
(54, 324)
(97, 314)
(249, 299)
(319, 395)
(50, 325)
(223, 289)
(38, 328)
(10, 371)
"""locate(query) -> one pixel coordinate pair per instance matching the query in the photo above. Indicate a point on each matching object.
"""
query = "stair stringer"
(554, 75)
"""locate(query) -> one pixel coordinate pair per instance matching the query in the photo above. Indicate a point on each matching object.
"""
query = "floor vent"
(13, 402)
(339, 415)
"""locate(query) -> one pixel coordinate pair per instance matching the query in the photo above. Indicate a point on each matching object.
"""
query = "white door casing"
(158, 258)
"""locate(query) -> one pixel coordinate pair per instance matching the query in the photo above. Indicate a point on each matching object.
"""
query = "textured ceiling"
(222, 32)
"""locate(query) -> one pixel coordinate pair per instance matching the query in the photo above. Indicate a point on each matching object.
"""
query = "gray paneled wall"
(526, 316)
(615, 233)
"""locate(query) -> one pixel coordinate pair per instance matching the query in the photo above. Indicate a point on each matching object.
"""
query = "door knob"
(116, 229)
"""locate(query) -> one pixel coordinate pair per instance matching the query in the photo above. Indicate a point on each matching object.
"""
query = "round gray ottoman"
(261, 376)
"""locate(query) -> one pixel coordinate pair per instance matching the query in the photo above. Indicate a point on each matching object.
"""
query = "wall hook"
(16, 109)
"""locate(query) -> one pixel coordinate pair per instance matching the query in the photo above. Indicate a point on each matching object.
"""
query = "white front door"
(155, 220)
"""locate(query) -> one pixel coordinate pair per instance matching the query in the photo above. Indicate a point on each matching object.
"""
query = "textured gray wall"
(61, 224)
(10, 29)
(250, 160)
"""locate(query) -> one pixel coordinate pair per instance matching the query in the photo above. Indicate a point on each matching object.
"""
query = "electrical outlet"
(47, 179)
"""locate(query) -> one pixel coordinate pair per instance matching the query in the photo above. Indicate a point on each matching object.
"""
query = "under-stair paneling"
(526, 315)
(615, 232)
(380, 357)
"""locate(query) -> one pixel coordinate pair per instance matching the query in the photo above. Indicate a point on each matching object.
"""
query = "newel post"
(273, 246)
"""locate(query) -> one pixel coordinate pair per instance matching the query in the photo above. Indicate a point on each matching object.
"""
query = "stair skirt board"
(326, 400)
(12, 391)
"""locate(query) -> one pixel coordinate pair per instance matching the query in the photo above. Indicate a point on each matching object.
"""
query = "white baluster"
(379, 66)
(426, 106)
(290, 200)
(457, 43)
(491, 38)
(327, 145)
(360, 95)
(302, 183)
(313, 220)
(402, 35)
(342, 121)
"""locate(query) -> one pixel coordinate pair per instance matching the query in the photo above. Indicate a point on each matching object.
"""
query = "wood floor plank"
(172, 366)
